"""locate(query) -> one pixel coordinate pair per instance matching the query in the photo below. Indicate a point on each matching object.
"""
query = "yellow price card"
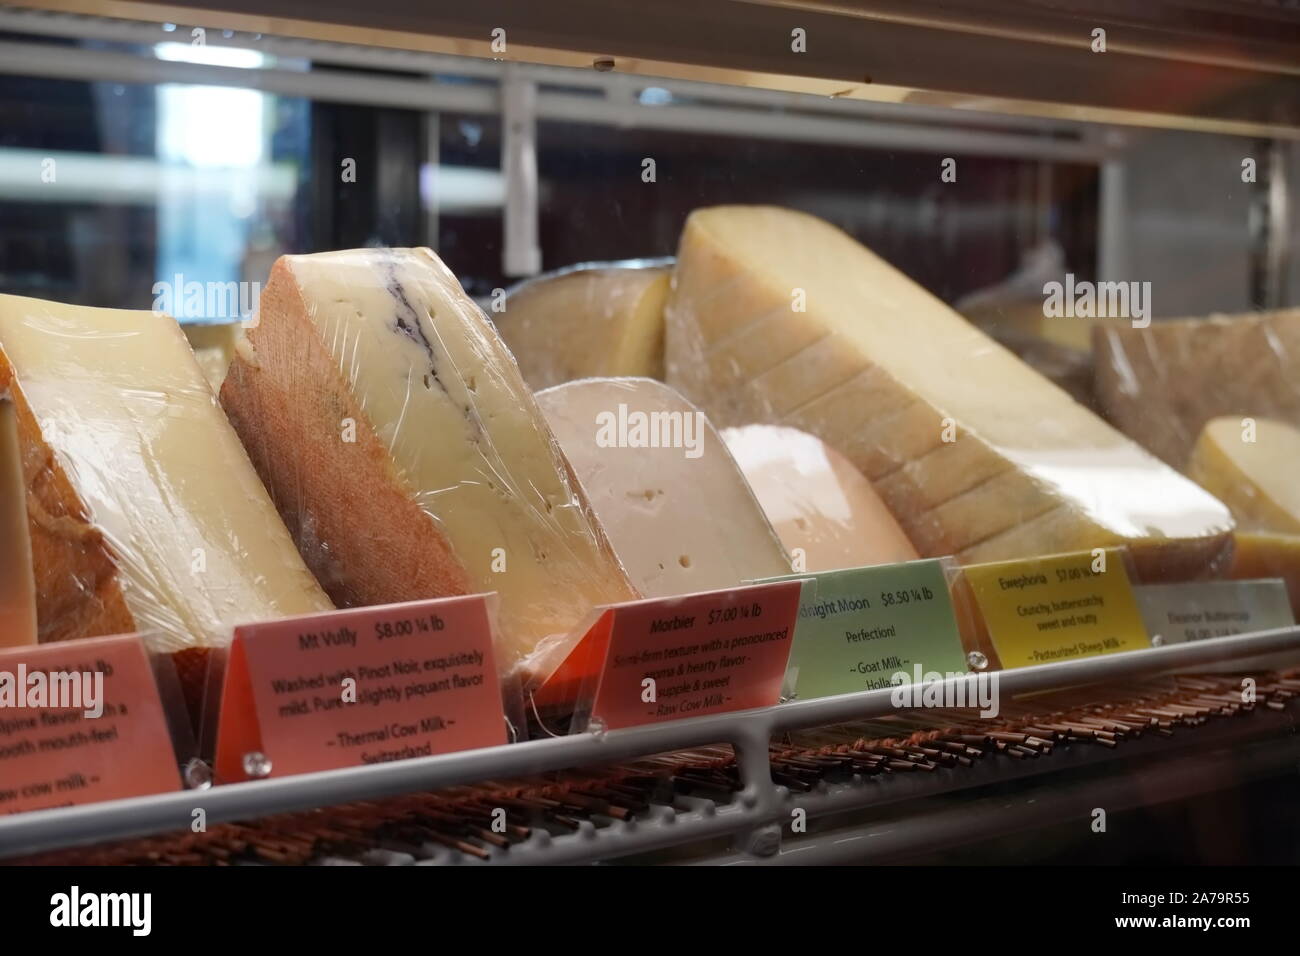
(1059, 607)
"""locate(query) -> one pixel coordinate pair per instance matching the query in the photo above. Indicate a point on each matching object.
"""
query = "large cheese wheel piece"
(404, 450)
(1161, 384)
(17, 584)
(779, 318)
(821, 506)
(587, 321)
(144, 511)
(678, 511)
(1253, 466)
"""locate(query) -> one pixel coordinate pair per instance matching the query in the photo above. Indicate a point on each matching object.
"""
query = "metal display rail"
(753, 818)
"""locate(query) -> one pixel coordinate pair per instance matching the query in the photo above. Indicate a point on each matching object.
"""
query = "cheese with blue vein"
(404, 450)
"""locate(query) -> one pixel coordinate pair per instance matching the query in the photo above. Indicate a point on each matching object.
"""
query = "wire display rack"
(751, 824)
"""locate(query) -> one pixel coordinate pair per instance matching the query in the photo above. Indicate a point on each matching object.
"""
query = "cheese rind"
(678, 511)
(1252, 466)
(1161, 384)
(144, 511)
(17, 582)
(821, 506)
(587, 321)
(757, 289)
(404, 450)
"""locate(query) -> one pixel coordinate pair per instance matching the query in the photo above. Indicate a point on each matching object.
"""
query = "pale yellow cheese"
(587, 321)
(409, 457)
(777, 317)
(214, 348)
(146, 513)
(17, 584)
(1253, 466)
(824, 510)
(677, 509)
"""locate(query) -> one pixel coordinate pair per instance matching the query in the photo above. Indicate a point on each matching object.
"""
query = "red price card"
(80, 722)
(360, 686)
(687, 656)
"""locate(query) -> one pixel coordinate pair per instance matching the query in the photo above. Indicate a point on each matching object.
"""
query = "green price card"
(865, 625)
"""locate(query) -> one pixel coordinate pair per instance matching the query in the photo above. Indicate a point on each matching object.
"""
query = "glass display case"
(988, 307)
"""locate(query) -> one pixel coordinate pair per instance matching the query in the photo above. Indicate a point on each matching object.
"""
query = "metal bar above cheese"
(17, 583)
(1253, 466)
(778, 317)
(822, 507)
(679, 513)
(598, 319)
(144, 511)
(404, 450)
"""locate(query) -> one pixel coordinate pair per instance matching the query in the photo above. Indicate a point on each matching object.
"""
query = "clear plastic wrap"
(1160, 385)
(826, 513)
(597, 319)
(677, 509)
(404, 450)
(145, 513)
(776, 317)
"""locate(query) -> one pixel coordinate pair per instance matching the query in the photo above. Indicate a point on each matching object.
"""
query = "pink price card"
(80, 722)
(360, 686)
(687, 656)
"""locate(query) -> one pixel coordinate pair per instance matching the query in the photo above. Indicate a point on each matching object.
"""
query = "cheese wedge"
(677, 509)
(144, 511)
(404, 450)
(586, 321)
(1266, 555)
(777, 317)
(1252, 466)
(1161, 384)
(822, 507)
(214, 348)
(17, 583)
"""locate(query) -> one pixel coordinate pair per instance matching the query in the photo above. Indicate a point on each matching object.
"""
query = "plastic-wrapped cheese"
(820, 505)
(678, 511)
(144, 511)
(406, 454)
(602, 319)
(17, 583)
(1253, 466)
(1161, 384)
(777, 317)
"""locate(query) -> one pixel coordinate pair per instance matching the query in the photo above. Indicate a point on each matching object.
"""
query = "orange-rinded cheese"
(144, 511)
(404, 450)
(17, 584)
